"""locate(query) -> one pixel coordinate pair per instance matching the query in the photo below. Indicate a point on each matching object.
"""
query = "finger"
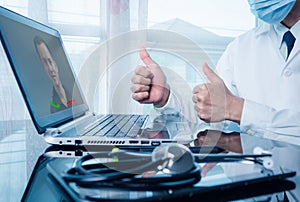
(196, 142)
(201, 139)
(142, 71)
(207, 167)
(194, 99)
(139, 88)
(201, 97)
(140, 96)
(204, 117)
(200, 88)
(137, 79)
(145, 57)
(196, 90)
(211, 75)
(196, 108)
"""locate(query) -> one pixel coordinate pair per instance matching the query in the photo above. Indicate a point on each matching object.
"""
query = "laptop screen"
(42, 69)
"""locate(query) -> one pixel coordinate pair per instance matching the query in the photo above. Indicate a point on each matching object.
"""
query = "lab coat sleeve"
(258, 119)
(281, 125)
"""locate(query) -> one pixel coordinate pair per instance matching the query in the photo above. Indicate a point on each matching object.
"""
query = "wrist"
(164, 99)
(235, 109)
(231, 142)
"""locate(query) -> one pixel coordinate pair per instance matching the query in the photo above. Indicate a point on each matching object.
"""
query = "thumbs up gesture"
(214, 101)
(149, 84)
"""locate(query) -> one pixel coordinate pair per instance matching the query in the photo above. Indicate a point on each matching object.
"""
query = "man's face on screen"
(48, 63)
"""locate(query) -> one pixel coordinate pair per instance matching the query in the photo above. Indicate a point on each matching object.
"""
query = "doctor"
(257, 81)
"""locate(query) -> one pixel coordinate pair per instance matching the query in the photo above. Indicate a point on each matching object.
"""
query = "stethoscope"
(168, 166)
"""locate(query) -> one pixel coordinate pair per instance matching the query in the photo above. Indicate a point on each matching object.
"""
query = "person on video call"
(257, 81)
(60, 96)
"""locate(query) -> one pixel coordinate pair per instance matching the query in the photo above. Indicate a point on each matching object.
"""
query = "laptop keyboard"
(115, 125)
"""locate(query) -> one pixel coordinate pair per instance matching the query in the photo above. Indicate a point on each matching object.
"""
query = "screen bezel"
(51, 120)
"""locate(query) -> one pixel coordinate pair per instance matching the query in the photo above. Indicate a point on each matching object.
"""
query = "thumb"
(210, 74)
(145, 57)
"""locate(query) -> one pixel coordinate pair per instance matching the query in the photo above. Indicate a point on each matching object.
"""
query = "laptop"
(54, 98)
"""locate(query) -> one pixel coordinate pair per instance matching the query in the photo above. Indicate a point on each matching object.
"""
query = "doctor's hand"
(214, 101)
(149, 84)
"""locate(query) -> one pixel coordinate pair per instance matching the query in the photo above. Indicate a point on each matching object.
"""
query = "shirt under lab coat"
(254, 67)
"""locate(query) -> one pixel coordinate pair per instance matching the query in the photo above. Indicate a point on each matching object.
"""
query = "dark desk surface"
(21, 146)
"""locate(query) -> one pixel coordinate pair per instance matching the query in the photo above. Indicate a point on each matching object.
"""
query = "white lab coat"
(253, 68)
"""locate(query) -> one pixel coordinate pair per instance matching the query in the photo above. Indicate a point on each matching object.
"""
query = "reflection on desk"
(256, 182)
(21, 146)
(284, 156)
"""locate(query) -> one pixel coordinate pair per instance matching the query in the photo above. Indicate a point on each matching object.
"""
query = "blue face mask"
(271, 11)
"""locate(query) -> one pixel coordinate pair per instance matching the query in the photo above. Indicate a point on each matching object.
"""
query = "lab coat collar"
(272, 31)
(296, 50)
(279, 30)
(263, 28)
(296, 29)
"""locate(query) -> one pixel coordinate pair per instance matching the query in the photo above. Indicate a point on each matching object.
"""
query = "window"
(222, 17)
(209, 24)
(87, 23)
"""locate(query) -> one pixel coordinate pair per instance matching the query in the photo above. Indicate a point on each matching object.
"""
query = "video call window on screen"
(61, 97)
(43, 67)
